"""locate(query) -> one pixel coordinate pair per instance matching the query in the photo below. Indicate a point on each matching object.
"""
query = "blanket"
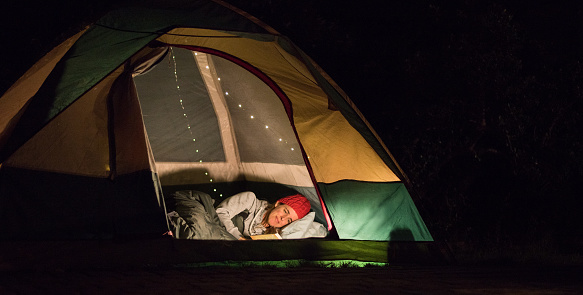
(195, 217)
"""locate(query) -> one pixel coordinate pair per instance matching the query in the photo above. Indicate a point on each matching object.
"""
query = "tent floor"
(92, 254)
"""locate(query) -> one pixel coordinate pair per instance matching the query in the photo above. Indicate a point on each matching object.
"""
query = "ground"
(298, 280)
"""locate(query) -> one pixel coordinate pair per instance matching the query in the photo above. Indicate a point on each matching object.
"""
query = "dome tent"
(103, 144)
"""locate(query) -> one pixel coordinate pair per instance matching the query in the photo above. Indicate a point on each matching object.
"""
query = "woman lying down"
(242, 216)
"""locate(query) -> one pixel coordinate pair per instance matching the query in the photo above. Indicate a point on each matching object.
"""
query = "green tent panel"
(388, 207)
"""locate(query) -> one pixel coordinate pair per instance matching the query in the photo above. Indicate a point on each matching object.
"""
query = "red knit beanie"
(298, 202)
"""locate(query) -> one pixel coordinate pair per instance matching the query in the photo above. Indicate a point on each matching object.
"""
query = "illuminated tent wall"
(200, 96)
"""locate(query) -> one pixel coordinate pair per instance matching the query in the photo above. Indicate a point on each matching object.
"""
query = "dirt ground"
(299, 280)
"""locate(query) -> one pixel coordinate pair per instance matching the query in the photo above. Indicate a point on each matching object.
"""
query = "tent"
(196, 95)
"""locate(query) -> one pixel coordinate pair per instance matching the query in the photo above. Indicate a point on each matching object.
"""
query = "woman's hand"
(243, 239)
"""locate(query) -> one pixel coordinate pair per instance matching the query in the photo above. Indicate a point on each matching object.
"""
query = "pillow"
(305, 227)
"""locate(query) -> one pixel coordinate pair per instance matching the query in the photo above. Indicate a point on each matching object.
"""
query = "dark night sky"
(480, 101)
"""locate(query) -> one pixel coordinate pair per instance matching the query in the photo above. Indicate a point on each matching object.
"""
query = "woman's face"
(281, 215)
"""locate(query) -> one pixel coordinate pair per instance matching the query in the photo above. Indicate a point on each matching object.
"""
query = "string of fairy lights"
(180, 99)
(189, 128)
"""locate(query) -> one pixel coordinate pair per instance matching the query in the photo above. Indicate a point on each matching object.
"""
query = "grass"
(289, 264)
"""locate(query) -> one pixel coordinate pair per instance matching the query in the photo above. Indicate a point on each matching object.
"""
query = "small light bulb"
(252, 117)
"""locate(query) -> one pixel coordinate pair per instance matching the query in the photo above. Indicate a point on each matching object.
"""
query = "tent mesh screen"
(177, 111)
(183, 126)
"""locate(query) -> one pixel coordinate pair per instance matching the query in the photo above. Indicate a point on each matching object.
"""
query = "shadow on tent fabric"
(401, 234)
